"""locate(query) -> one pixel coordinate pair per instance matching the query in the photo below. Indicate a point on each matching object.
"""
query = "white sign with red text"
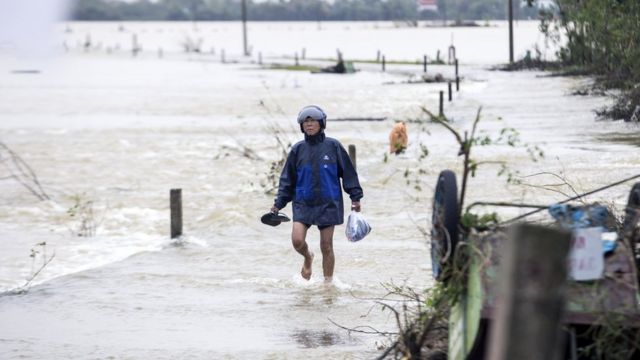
(586, 261)
(427, 5)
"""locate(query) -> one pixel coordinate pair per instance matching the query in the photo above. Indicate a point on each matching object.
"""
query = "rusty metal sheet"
(588, 302)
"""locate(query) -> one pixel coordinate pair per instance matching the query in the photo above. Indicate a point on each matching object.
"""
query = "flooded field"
(109, 134)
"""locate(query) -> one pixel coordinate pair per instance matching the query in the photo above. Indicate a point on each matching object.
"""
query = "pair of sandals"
(274, 218)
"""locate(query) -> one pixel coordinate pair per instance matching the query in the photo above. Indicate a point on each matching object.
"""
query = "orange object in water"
(398, 138)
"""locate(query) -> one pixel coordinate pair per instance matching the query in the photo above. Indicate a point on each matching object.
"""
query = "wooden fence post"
(457, 83)
(456, 67)
(352, 155)
(450, 92)
(424, 62)
(531, 295)
(176, 212)
(441, 112)
(134, 45)
(383, 63)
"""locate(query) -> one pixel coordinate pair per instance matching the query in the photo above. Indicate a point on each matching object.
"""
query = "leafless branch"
(22, 289)
(553, 187)
(439, 120)
(358, 329)
(20, 171)
(475, 123)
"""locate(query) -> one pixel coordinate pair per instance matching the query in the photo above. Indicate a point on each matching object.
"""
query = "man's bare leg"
(298, 236)
(328, 259)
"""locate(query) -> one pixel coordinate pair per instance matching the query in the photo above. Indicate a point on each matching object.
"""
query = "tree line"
(296, 10)
(601, 38)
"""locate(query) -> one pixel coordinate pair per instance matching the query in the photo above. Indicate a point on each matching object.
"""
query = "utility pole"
(444, 13)
(244, 27)
(510, 31)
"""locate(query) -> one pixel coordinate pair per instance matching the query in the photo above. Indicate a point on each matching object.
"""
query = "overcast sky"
(28, 26)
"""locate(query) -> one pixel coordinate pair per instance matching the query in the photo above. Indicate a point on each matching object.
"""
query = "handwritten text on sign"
(586, 261)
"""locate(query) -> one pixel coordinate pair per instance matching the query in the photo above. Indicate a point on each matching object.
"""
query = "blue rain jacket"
(311, 179)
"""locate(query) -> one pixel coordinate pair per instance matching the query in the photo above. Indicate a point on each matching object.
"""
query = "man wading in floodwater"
(311, 179)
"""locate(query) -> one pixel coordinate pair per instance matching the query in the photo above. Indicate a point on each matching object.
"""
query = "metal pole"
(441, 112)
(244, 27)
(510, 31)
(444, 13)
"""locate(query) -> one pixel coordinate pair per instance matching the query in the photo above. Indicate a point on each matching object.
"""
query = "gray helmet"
(314, 112)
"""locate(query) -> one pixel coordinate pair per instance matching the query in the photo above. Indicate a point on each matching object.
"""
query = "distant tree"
(95, 10)
(602, 37)
(286, 10)
(140, 10)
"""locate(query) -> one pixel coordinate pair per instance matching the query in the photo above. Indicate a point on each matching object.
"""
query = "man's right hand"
(274, 209)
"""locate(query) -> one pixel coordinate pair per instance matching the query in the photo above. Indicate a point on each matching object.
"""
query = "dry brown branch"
(20, 171)
(45, 262)
(83, 220)
(550, 187)
(421, 323)
(270, 183)
(442, 121)
(242, 150)
(35, 274)
(371, 330)
(475, 123)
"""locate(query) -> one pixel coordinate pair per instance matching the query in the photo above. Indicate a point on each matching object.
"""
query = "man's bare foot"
(306, 267)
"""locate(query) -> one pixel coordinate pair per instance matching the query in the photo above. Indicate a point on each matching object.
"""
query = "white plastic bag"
(357, 227)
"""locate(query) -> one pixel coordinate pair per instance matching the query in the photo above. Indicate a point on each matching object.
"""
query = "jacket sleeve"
(286, 187)
(350, 182)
